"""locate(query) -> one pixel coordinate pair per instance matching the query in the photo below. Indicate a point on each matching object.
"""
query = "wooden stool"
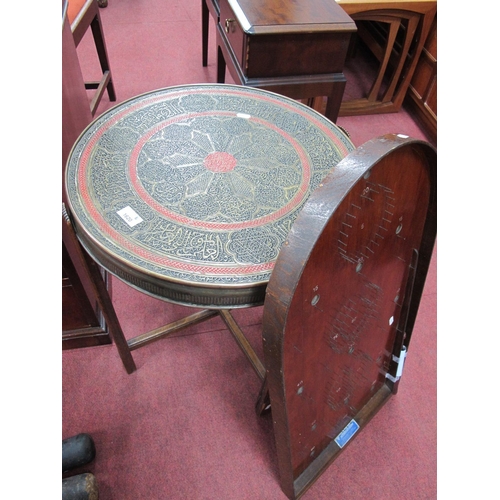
(83, 14)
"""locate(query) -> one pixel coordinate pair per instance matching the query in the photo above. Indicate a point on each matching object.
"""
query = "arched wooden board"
(342, 301)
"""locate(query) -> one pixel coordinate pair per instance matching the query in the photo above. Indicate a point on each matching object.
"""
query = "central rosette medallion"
(221, 171)
(220, 162)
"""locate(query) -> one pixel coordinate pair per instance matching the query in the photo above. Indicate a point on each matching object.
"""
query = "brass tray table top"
(188, 193)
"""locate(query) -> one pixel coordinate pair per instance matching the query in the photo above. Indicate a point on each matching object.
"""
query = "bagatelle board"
(342, 300)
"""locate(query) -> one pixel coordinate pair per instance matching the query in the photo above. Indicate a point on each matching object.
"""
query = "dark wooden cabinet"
(310, 45)
(422, 92)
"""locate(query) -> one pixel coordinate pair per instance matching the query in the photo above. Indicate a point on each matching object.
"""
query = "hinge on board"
(400, 362)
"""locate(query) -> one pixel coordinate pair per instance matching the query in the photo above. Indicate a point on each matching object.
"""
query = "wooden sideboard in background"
(421, 98)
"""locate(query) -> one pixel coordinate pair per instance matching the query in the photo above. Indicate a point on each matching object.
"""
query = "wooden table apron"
(188, 193)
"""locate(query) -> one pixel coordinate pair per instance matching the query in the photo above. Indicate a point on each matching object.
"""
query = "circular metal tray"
(187, 193)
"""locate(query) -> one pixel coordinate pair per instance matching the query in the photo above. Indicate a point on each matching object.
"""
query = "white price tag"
(130, 216)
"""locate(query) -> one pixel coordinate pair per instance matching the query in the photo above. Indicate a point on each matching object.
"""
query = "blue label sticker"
(347, 433)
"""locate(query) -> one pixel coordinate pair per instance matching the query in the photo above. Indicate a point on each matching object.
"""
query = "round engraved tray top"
(187, 193)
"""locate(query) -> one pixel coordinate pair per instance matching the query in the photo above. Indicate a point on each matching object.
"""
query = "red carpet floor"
(183, 426)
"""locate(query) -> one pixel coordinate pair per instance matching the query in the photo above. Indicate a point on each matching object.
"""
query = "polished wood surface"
(342, 301)
(355, 6)
(296, 48)
(275, 39)
(284, 16)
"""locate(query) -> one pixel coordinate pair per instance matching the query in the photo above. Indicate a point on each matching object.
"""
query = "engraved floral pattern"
(216, 173)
